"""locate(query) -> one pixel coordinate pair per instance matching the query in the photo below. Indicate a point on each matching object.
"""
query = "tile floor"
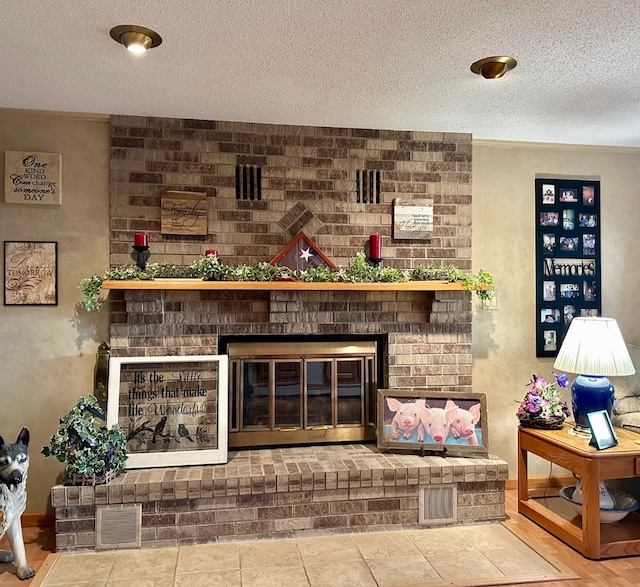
(383, 559)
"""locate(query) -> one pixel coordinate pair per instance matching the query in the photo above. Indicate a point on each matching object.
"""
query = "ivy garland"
(209, 268)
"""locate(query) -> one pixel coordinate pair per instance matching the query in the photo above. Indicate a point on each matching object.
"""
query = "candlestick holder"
(141, 255)
(375, 262)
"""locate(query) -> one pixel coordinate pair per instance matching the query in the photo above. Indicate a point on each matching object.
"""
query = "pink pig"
(406, 419)
(464, 422)
(437, 421)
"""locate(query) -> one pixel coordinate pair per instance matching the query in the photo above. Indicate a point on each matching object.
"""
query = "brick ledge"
(284, 470)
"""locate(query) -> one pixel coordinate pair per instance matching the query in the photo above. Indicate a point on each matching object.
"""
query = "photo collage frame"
(568, 273)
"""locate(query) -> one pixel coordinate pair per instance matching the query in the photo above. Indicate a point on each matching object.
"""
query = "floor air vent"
(438, 505)
(118, 526)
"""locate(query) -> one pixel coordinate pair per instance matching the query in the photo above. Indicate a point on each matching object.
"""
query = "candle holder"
(141, 256)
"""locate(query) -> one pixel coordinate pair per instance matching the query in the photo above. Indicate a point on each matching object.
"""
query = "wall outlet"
(491, 303)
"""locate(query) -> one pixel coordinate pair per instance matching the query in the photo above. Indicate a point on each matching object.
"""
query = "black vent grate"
(367, 186)
(248, 182)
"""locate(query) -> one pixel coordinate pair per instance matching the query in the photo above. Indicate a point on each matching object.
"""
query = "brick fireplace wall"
(309, 184)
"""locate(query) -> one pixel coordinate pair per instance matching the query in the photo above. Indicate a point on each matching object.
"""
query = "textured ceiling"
(401, 64)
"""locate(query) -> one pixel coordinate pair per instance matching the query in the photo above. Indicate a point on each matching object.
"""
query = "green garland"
(209, 268)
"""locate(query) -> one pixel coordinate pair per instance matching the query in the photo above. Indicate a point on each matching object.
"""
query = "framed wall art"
(412, 219)
(454, 423)
(568, 273)
(30, 273)
(183, 213)
(32, 178)
(173, 410)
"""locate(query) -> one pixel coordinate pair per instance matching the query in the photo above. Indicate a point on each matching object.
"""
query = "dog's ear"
(1, 442)
(23, 437)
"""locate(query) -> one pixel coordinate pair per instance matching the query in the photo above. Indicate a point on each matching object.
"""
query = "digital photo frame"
(602, 433)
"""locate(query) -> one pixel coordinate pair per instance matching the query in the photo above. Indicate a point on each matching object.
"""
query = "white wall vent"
(438, 505)
(118, 526)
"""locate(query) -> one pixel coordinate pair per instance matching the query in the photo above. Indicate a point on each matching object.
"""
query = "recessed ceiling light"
(493, 67)
(136, 39)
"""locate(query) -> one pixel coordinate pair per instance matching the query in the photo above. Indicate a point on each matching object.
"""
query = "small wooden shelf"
(198, 284)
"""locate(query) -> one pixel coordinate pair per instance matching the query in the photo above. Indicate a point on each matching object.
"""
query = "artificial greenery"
(481, 282)
(86, 447)
(209, 268)
(91, 285)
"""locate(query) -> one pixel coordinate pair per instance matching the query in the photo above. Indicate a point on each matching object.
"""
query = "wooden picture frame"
(173, 410)
(451, 423)
(30, 273)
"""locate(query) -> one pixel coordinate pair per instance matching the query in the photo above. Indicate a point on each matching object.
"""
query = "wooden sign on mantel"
(184, 213)
(32, 178)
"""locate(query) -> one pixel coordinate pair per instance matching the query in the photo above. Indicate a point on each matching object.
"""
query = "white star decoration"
(306, 254)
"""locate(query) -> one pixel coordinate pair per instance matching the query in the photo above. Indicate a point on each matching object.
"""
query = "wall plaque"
(173, 409)
(412, 219)
(184, 213)
(30, 273)
(32, 178)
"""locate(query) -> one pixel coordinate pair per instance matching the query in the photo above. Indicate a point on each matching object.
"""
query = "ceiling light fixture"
(136, 39)
(493, 67)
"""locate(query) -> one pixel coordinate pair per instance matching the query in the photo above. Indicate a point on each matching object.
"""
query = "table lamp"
(594, 349)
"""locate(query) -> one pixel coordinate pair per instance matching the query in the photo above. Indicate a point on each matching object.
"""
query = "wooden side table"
(584, 533)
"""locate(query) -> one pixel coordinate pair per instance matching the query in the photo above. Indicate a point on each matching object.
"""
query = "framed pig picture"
(447, 423)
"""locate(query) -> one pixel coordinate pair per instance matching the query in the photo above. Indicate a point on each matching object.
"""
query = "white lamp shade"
(594, 346)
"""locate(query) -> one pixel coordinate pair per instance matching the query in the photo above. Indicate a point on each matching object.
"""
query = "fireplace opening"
(285, 392)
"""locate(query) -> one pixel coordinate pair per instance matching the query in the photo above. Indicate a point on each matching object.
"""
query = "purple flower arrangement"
(542, 402)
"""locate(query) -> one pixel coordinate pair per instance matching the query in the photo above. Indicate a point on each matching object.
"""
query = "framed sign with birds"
(173, 410)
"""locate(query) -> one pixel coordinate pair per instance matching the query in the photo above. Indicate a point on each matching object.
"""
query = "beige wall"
(47, 353)
(504, 352)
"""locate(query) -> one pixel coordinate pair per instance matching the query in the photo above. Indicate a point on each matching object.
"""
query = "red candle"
(375, 246)
(140, 239)
(211, 252)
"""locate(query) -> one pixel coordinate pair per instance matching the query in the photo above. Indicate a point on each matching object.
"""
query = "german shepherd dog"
(14, 462)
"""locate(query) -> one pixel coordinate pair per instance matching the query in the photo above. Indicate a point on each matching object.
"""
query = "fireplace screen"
(293, 393)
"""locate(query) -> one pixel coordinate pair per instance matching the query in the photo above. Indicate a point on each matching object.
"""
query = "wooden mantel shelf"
(198, 284)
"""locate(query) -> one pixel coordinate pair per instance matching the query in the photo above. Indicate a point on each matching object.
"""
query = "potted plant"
(93, 453)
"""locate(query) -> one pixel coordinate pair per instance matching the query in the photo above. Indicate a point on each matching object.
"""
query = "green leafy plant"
(321, 273)
(481, 283)
(209, 268)
(170, 271)
(91, 285)
(360, 270)
(86, 447)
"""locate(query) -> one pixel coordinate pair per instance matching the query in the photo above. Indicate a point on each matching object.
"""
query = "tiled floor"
(435, 556)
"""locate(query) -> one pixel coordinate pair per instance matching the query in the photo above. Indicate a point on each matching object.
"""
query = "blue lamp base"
(590, 393)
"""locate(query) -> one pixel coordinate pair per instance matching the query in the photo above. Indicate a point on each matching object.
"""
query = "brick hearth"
(283, 493)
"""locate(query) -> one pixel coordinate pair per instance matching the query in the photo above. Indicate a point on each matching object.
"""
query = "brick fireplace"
(310, 179)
